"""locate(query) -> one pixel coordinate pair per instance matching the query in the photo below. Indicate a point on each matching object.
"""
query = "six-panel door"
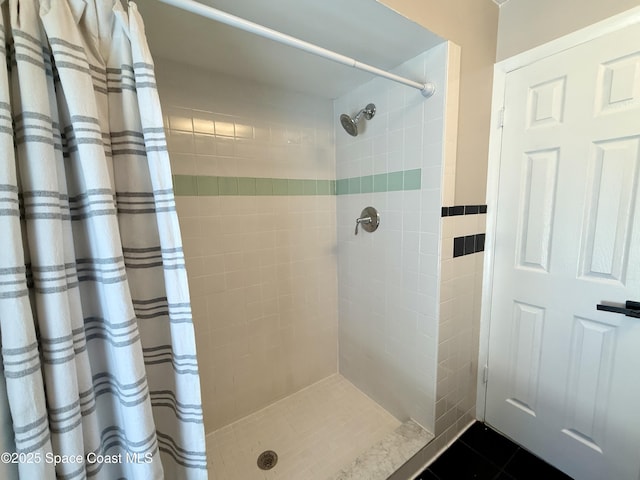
(564, 378)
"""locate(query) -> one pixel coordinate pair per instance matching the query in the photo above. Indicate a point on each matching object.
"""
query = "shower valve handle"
(369, 219)
(362, 220)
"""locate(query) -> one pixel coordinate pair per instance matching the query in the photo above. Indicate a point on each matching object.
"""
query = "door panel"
(612, 189)
(593, 345)
(564, 378)
(525, 355)
(538, 206)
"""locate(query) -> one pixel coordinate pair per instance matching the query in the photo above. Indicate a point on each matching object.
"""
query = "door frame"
(500, 71)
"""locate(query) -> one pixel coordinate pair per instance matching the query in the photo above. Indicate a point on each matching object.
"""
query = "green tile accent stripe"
(383, 182)
(206, 186)
(185, 185)
(342, 186)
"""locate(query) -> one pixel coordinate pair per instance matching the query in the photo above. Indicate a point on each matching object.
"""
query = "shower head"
(351, 124)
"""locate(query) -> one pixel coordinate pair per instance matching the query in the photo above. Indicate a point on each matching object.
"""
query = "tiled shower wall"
(254, 176)
(389, 279)
(461, 256)
(460, 298)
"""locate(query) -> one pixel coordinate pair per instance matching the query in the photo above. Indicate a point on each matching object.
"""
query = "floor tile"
(459, 462)
(427, 475)
(395, 448)
(482, 453)
(489, 443)
(504, 476)
(316, 432)
(526, 466)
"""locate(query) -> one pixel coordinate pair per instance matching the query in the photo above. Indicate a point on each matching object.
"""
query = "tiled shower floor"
(315, 432)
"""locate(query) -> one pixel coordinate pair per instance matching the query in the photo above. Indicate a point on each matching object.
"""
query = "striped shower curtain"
(100, 378)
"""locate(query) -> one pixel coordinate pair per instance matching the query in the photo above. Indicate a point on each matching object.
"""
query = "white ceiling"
(363, 29)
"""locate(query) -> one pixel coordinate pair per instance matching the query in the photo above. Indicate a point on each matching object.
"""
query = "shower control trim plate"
(369, 220)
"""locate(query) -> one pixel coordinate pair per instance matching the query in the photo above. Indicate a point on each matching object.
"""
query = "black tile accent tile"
(459, 462)
(469, 244)
(463, 210)
(489, 443)
(458, 246)
(457, 210)
(504, 476)
(427, 475)
(471, 209)
(526, 466)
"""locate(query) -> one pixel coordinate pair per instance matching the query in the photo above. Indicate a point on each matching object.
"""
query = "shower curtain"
(98, 347)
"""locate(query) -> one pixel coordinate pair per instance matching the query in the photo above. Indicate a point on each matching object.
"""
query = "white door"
(564, 378)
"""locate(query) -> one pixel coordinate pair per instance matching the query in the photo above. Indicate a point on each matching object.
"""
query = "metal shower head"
(351, 124)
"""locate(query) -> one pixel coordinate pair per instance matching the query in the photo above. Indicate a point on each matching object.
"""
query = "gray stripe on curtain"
(39, 53)
(18, 429)
(15, 294)
(59, 41)
(27, 58)
(20, 350)
(13, 270)
(22, 361)
(189, 457)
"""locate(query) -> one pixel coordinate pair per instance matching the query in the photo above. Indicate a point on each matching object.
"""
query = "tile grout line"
(503, 469)
(500, 468)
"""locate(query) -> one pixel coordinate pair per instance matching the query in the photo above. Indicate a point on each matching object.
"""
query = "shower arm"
(358, 115)
(426, 89)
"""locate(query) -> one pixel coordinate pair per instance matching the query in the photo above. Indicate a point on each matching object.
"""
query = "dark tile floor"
(483, 454)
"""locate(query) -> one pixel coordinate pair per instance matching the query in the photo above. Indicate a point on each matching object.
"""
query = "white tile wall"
(388, 280)
(460, 295)
(262, 270)
(224, 126)
(460, 299)
(264, 297)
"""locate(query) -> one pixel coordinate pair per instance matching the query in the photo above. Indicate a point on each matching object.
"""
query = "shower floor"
(316, 432)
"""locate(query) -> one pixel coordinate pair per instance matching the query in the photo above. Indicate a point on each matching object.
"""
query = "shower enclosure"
(312, 342)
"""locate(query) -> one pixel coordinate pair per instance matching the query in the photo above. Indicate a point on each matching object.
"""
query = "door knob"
(631, 309)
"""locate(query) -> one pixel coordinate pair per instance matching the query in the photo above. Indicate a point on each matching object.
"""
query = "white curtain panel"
(98, 346)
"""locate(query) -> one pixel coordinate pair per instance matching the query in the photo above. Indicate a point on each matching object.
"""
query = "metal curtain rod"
(427, 89)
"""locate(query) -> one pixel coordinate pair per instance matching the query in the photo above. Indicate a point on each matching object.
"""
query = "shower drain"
(267, 460)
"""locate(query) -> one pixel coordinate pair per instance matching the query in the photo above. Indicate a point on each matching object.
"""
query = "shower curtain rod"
(426, 89)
